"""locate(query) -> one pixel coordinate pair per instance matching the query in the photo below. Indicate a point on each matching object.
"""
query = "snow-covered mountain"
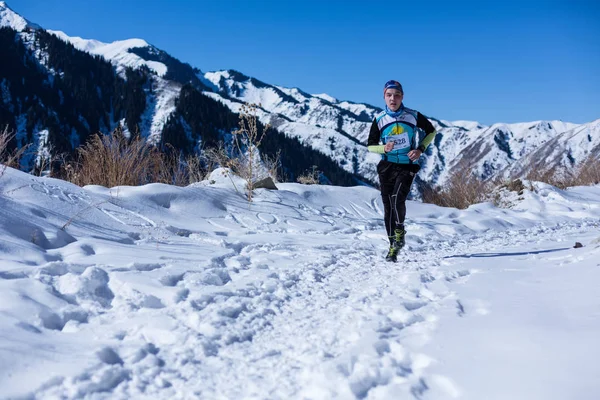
(349, 119)
(334, 128)
(57, 90)
(500, 148)
(486, 150)
(337, 129)
(118, 52)
(562, 151)
(10, 19)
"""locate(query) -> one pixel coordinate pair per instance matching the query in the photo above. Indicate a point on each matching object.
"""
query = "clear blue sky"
(489, 61)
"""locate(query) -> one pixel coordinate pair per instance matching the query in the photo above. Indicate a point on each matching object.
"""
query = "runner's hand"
(414, 154)
(388, 147)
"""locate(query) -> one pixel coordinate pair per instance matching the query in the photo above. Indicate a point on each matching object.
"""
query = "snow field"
(166, 292)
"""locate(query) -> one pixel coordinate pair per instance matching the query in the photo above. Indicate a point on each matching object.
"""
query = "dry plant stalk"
(249, 138)
(8, 158)
(588, 173)
(169, 167)
(273, 165)
(5, 137)
(195, 173)
(80, 212)
(218, 157)
(311, 177)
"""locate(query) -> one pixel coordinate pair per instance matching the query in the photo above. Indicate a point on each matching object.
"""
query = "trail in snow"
(191, 293)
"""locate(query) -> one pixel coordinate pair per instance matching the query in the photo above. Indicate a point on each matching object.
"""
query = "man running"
(395, 128)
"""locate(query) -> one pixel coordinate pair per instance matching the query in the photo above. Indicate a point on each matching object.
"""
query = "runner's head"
(393, 94)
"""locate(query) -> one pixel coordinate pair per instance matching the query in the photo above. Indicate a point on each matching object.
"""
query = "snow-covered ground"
(161, 292)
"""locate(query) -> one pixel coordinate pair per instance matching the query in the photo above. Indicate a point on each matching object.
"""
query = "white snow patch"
(327, 97)
(116, 52)
(152, 291)
(10, 19)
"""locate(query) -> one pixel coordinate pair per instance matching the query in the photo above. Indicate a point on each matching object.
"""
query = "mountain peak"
(10, 19)
(325, 96)
(118, 52)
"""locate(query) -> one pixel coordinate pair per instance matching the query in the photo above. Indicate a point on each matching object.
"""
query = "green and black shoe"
(392, 254)
(396, 244)
(399, 235)
(393, 251)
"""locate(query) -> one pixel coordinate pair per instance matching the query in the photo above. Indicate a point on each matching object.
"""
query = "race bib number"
(400, 141)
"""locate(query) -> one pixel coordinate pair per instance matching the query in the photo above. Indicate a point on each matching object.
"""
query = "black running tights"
(395, 184)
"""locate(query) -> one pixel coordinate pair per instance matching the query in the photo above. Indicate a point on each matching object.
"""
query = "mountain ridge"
(334, 128)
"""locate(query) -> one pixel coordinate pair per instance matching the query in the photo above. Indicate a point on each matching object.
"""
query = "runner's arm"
(373, 141)
(427, 126)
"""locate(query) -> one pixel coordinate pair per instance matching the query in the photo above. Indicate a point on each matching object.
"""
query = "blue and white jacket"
(400, 127)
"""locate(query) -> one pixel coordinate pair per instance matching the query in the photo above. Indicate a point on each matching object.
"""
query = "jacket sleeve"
(374, 139)
(427, 126)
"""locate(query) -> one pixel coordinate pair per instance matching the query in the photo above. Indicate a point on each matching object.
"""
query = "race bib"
(400, 141)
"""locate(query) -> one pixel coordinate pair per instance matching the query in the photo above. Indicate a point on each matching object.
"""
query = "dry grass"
(549, 176)
(4, 139)
(219, 157)
(113, 160)
(216, 157)
(311, 177)
(195, 170)
(515, 185)
(9, 158)
(501, 188)
(588, 173)
(461, 190)
(273, 166)
(464, 189)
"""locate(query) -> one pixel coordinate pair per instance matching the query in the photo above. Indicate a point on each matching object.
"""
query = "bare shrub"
(113, 160)
(5, 137)
(461, 190)
(588, 173)
(217, 157)
(195, 170)
(501, 188)
(550, 176)
(173, 169)
(247, 140)
(311, 177)
(515, 185)
(9, 158)
(273, 165)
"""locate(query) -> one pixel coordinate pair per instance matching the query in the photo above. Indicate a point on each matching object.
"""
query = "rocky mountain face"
(56, 90)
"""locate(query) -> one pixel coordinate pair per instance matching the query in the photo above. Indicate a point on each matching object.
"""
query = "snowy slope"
(347, 118)
(562, 151)
(116, 52)
(168, 292)
(344, 150)
(487, 150)
(8, 18)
